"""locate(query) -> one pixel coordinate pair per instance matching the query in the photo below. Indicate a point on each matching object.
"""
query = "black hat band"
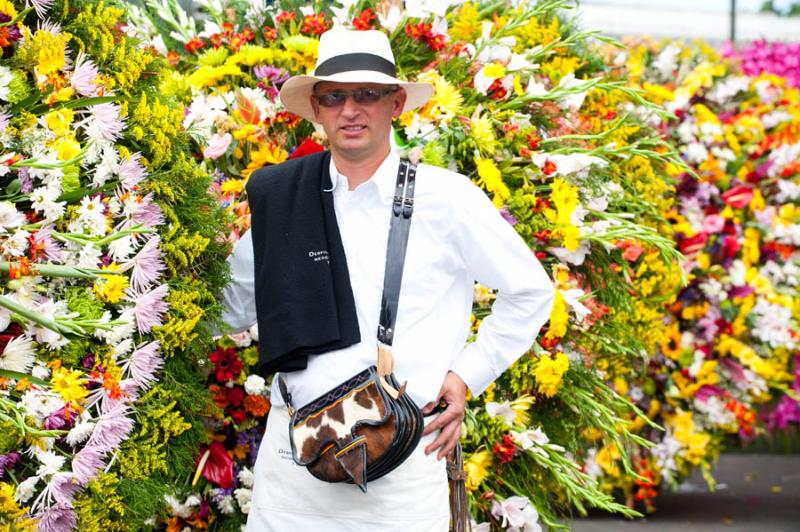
(356, 61)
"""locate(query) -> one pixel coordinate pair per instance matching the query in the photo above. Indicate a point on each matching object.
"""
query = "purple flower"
(87, 463)
(84, 76)
(44, 241)
(131, 172)
(143, 364)
(58, 518)
(111, 429)
(786, 412)
(147, 265)
(507, 216)
(24, 175)
(276, 75)
(5, 118)
(8, 461)
(104, 123)
(150, 307)
(147, 213)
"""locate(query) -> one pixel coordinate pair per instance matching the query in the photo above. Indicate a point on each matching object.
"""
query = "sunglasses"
(361, 96)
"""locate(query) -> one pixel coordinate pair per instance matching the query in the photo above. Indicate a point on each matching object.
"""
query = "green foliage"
(101, 508)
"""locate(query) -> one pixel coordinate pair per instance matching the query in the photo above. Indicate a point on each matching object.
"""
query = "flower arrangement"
(726, 370)
(111, 270)
(563, 148)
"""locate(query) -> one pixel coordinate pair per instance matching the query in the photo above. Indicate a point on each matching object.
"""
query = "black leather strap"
(402, 209)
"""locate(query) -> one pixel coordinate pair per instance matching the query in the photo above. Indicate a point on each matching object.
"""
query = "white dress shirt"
(457, 237)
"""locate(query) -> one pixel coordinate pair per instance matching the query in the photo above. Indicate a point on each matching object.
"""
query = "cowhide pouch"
(340, 433)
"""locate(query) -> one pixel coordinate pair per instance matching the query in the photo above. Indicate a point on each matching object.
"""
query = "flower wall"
(564, 150)
(111, 272)
(727, 369)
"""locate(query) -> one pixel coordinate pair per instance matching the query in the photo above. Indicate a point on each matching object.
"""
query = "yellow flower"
(549, 373)
(565, 199)
(482, 132)
(59, 121)
(477, 469)
(684, 431)
(232, 185)
(445, 103)
(49, 56)
(466, 23)
(607, 458)
(490, 179)
(265, 155)
(533, 33)
(69, 385)
(209, 76)
(559, 318)
(110, 288)
(8, 8)
(494, 70)
(66, 148)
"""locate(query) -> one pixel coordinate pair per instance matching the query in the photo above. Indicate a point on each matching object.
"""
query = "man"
(456, 237)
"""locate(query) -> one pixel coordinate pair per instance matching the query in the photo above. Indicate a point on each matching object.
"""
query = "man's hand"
(454, 392)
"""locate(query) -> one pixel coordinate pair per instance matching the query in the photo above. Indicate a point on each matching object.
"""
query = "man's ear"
(398, 103)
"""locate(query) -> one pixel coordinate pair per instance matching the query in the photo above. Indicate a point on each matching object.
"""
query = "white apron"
(287, 498)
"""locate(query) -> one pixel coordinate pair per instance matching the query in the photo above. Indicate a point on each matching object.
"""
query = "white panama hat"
(348, 56)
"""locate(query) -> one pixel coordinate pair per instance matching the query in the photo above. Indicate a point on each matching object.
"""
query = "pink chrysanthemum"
(111, 429)
(143, 364)
(147, 265)
(147, 213)
(150, 307)
(86, 464)
(131, 172)
(58, 518)
(84, 76)
(104, 123)
(44, 243)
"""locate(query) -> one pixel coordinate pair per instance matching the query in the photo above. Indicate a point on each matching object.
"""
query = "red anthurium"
(738, 197)
(695, 244)
(218, 466)
(731, 246)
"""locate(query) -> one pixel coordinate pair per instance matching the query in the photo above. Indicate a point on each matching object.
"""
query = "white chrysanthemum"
(17, 244)
(18, 355)
(44, 200)
(26, 489)
(255, 385)
(244, 497)
(80, 432)
(246, 477)
(49, 309)
(5, 81)
(51, 463)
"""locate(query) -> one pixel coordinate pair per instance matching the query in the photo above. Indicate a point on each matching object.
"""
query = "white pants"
(287, 498)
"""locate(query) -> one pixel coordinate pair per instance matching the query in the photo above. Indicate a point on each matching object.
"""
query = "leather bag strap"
(402, 209)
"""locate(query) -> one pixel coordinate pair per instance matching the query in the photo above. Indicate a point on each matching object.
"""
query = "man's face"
(357, 131)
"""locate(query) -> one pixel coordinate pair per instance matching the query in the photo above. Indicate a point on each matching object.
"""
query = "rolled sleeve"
(497, 257)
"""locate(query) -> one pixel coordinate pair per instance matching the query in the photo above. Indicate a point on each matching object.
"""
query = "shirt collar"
(385, 176)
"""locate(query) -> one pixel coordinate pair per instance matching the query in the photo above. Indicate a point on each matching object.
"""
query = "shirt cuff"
(474, 369)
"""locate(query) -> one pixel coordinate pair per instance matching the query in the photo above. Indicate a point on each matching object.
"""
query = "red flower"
(234, 395)
(173, 58)
(315, 24)
(218, 466)
(270, 34)
(505, 449)
(364, 20)
(496, 91)
(738, 197)
(533, 141)
(690, 246)
(227, 365)
(549, 168)
(194, 45)
(285, 16)
(417, 31)
(238, 416)
(436, 42)
(307, 147)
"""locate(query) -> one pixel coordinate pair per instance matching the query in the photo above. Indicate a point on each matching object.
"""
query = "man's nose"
(350, 108)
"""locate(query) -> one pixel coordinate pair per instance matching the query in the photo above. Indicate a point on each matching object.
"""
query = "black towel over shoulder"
(304, 301)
